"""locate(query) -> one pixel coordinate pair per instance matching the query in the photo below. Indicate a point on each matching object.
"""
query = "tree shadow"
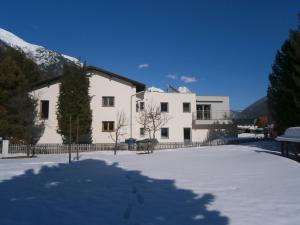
(94, 192)
(269, 146)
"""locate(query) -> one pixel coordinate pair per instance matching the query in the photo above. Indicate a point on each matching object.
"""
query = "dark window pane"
(108, 126)
(142, 131)
(164, 107)
(108, 101)
(44, 109)
(111, 101)
(164, 132)
(186, 107)
(142, 106)
(203, 112)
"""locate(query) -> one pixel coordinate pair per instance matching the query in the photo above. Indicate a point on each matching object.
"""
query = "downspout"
(131, 110)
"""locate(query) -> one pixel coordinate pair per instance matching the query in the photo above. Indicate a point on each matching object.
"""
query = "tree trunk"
(116, 144)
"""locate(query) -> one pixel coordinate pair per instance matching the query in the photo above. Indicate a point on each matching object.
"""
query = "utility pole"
(77, 134)
(70, 138)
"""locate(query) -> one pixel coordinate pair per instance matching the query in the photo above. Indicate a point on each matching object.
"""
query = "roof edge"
(139, 86)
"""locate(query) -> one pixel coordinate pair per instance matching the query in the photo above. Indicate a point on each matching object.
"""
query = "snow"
(233, 184)
(291, 134)
(37, 53)
(155, 89)
(250, 135)
(73, 59)
(250, 127)
(183, 89)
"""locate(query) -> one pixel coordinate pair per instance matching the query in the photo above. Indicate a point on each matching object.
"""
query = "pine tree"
(284, 88)
(73, 108)
(17, 107)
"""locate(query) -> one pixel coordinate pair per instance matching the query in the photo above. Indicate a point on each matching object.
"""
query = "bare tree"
(121, 122)
(152, 119)
(144, 120)
(157, 119)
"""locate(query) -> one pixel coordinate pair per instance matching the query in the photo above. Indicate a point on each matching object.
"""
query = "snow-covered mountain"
(48, 60)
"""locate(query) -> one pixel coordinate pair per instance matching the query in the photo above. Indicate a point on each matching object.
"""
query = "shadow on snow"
(94, 192)
(270, 147)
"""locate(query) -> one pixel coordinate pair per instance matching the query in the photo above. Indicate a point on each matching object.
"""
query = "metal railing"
(212, 115)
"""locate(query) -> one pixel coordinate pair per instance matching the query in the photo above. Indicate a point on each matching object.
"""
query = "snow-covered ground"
(241, 185)
(250, 135)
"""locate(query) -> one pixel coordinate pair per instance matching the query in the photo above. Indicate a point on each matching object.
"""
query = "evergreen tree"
(284, 87)
(17, 107)
(73, 108)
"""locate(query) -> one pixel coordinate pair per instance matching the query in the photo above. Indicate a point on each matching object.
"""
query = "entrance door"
(187, 134)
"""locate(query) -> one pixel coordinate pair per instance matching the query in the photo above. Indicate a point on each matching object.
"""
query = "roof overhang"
(139, 86)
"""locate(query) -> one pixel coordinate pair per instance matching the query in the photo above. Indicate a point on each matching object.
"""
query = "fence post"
(5, 145)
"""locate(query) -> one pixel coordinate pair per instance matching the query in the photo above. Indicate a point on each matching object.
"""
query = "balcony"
(202, 117)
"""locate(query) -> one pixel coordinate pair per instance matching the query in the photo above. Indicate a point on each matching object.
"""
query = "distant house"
(191, 116)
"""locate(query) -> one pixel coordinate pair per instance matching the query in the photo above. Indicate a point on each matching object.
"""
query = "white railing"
(212, 115)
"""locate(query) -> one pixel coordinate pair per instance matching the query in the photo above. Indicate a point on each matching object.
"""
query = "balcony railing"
(212, 115)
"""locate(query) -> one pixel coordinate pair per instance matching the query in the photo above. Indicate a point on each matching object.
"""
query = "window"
(203, 112)
(164, 107)
(108, 101)
(44, 109)
(142, 106)
(142, 132)
(186, 107)
(108, 126)
(164, 133)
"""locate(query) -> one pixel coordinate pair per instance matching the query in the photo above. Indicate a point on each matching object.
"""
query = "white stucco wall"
(219, 108)
(200, 135)
(49, 93)
(178, 118)
(104, 85)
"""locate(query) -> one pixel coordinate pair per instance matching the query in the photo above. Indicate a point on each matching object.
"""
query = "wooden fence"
(63, 148)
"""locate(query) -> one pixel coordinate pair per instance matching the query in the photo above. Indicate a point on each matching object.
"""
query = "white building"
(190, 116)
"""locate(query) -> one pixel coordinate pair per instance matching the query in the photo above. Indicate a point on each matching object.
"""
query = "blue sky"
(213, 47)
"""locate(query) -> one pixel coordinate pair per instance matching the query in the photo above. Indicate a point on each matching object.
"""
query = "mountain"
(252, 112)
(50, 62)
(258, 108)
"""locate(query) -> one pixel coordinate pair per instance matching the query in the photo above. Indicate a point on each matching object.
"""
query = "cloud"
(187, 79)
(143, 66)
(172, 76)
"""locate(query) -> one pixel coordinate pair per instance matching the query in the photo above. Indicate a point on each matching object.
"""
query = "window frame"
(189, 109)
(167, 103)
(203, 114)
(165, 137)
(42, 117)
(142, 134)
(108, 101)
(109, 127)
(142, 104)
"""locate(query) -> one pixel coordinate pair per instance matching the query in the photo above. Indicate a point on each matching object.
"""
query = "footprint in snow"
(127, 213)
(134, 190)
(140, 199)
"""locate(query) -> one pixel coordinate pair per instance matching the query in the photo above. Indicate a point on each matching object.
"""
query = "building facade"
(189, 117)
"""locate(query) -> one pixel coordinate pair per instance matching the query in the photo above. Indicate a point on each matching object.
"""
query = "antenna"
(173, 88)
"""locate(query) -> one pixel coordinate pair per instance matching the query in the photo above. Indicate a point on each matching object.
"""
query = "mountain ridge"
(49, 61)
